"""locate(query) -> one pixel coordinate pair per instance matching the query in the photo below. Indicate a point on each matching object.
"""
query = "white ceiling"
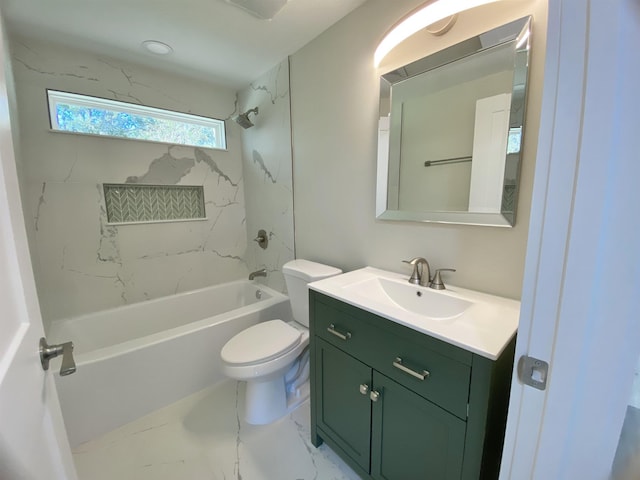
(211, 39)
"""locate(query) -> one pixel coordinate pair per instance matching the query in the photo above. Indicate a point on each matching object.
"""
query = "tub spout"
(258, 273)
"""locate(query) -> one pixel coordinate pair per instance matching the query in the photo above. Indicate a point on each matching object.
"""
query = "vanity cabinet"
(397, 404)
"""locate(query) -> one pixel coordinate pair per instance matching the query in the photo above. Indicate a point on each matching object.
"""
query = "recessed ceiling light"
(156, 47)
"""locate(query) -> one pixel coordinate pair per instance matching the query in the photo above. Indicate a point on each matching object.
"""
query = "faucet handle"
(437, 283)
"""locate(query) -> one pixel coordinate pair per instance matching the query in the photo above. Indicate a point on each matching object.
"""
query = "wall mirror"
(450, 132)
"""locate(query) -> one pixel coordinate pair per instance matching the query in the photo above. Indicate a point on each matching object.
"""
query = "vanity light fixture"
(443, 26)
(156, 47)
(422, 18)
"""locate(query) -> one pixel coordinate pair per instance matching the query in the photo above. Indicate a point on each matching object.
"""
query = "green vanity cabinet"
(397, 404)
(344, 412)
(412, 437)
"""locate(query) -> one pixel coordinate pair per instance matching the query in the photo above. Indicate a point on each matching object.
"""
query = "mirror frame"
(516, 32)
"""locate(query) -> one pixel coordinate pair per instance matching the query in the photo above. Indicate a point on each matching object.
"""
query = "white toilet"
(273, 356)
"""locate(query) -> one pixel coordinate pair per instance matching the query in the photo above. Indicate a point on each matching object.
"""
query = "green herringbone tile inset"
(133, 203)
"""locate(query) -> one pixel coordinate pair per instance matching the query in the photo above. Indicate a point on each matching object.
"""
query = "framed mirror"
(450, 132)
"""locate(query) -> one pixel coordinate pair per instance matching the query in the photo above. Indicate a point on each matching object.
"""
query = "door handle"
(47, 352)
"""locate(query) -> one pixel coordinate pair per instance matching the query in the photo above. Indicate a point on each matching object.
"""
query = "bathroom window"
(70, 112)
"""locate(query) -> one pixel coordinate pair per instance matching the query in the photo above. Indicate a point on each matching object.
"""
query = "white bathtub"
(134, 359)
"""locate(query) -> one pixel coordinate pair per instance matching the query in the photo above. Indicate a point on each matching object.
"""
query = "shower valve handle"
(262, 239)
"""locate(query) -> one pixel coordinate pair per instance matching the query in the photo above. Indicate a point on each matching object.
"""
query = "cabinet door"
(411, 437)
(343, 412)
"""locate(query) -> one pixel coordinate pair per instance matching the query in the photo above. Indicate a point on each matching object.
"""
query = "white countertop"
(485, 328)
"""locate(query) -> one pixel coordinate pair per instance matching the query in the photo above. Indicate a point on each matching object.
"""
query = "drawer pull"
(419, 375)
(364, 389)
(344, 336)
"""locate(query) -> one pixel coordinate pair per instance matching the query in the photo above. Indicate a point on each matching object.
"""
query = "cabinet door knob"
(343, 336)
(374, 395)
(364, 389)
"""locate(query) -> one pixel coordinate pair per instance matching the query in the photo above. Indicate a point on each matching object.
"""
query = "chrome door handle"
(419, 375)
(374, 395)
(364, 389)
(344, 336)
(47, 352)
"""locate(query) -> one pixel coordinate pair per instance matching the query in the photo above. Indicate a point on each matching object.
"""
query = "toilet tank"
(297, 274)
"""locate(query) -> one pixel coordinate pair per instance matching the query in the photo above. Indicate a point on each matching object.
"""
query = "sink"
(475, 321)
(434, 304)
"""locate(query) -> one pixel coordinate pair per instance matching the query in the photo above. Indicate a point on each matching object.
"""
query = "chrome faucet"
(419, 276)
(258, 273)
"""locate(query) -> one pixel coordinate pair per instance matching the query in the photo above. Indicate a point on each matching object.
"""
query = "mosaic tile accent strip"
(134, 203)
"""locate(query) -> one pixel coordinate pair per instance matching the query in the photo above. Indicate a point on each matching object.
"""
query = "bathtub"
(134, 359)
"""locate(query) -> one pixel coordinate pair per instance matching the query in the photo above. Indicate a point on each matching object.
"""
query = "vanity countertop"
(483, 327)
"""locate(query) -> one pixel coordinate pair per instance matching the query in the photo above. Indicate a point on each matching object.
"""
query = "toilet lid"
(261, 343)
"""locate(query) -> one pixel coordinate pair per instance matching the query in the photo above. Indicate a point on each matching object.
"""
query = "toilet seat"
(260, 343)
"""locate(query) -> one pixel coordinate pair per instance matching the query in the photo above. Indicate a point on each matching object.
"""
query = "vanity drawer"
(347, 332)
(438, 378)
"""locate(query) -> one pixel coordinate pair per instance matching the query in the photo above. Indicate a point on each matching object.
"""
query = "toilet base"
(268, 401)
(265, 401)
(294, 399)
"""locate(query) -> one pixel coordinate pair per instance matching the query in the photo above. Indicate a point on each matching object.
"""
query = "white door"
(581, 302)
(33, 443)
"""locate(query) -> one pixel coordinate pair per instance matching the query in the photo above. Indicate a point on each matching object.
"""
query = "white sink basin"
(434, 304)
(478, 322)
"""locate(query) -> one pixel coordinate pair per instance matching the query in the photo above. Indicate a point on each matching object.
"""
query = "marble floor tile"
(204, 436)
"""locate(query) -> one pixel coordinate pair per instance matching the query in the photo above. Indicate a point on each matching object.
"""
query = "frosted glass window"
(70, 112)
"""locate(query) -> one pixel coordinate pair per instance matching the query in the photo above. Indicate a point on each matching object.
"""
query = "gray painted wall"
(334, 101)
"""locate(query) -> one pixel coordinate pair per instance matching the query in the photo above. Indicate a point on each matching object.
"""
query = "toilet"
(273, 356)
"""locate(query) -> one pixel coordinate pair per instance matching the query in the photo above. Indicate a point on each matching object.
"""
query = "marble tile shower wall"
(82, 264)
(268, 177)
